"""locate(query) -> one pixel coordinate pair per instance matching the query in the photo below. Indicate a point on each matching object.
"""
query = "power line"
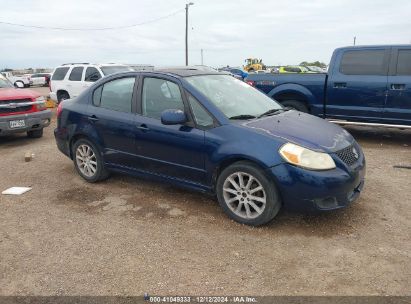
(92, 29)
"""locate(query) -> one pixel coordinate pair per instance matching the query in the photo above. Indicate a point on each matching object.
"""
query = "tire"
(62, 96)
(87, 156)
(15, 84)
(296, 105)
(35, 133)
(253, 212)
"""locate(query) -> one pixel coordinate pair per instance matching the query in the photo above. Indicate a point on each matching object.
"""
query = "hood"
(303, 129)
(12, 93)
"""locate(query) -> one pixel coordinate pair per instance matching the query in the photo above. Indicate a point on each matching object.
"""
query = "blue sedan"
(213, 133)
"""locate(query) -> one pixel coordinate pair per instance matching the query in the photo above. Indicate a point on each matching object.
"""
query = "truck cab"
(371, 84)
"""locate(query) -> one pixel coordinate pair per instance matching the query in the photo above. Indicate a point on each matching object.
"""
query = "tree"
(315, 63)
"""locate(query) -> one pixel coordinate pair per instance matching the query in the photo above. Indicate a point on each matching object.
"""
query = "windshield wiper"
(272, 112)
(243, 116)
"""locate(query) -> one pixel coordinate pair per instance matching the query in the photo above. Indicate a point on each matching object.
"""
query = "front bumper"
(310, 191)
(33, 121)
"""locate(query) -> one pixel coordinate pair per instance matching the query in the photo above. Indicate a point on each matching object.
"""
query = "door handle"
(93, 118)
(143, 128)
(397, 86)
(340, 85)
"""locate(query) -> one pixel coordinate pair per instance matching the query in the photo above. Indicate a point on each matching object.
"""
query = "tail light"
(59, 109)
(50, 84)
(251, 83)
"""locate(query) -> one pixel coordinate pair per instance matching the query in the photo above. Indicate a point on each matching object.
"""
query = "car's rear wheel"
(35, 133)
(247, 195)
(62, 96)
(21, 82)
(88, 161)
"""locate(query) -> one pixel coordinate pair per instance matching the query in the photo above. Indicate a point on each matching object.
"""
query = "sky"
(228, 31)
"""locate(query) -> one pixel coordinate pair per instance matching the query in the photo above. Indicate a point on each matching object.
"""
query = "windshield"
(107, 70)
(231, 96)
(4, 83)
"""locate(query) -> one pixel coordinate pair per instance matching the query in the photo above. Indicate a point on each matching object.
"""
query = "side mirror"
(19, 85)
(173, 117)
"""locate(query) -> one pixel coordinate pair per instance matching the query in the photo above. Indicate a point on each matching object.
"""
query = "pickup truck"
(22, 110)
(24, 80)
(365, 85)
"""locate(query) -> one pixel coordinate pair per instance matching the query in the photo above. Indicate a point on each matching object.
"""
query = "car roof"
(91, 64)
(186, 72)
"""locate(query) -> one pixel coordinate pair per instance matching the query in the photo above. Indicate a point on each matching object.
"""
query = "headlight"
(306, 158)
(41, 106)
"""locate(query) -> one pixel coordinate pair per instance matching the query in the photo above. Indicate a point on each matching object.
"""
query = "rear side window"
(60, 73)
(115, 95)
(367, 62)
(404, 62)
(76, 74)
(92, 74)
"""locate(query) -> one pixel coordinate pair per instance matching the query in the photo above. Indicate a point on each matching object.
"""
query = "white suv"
(70, 79)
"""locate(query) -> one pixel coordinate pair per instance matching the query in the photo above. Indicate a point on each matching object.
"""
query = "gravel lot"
(127, 236)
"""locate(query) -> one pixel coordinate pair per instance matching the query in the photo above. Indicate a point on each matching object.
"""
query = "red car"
(22, 111)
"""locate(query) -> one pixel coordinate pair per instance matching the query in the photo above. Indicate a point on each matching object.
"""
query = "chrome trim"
(369, 124)
(13, 105)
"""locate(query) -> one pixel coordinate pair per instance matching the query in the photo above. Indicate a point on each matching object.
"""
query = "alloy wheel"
(244, 195)
(86, 160)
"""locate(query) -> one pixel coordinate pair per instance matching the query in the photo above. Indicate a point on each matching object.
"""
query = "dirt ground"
(127, 236)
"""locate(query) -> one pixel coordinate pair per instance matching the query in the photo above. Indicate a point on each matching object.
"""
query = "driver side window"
(160, 95)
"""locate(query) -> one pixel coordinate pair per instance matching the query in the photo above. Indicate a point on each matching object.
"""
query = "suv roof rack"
(75, 63)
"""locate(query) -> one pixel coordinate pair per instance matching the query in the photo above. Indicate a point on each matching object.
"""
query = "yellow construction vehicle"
(254, 64)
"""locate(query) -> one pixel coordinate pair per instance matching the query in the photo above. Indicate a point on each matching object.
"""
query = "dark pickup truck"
(365, 85)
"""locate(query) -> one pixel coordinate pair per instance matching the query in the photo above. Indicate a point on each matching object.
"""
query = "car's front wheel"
(61, 96)
(35, 133)
(88, 161)
(247, 195)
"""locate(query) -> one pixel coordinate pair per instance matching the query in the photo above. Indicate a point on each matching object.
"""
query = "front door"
(357, 85)
(175, 151)
(398, 105)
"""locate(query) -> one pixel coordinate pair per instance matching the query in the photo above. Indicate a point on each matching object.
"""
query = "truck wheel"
(88, 161)
(22, 83)
(247, 195)
(35, 133)
(296, 105)
(62, 96)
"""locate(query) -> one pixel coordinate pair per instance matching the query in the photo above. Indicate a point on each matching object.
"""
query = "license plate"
(17, 123)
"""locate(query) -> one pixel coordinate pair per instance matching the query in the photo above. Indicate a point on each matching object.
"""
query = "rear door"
(398, 105)
(112, 118)
(357, 84)
(75, 81)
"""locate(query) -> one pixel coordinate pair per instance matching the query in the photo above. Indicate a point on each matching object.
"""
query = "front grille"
(16, 108)
(349, 155)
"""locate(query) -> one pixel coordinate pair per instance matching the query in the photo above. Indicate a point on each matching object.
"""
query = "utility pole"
(187, 5)
(355, 38)
(202, 61)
